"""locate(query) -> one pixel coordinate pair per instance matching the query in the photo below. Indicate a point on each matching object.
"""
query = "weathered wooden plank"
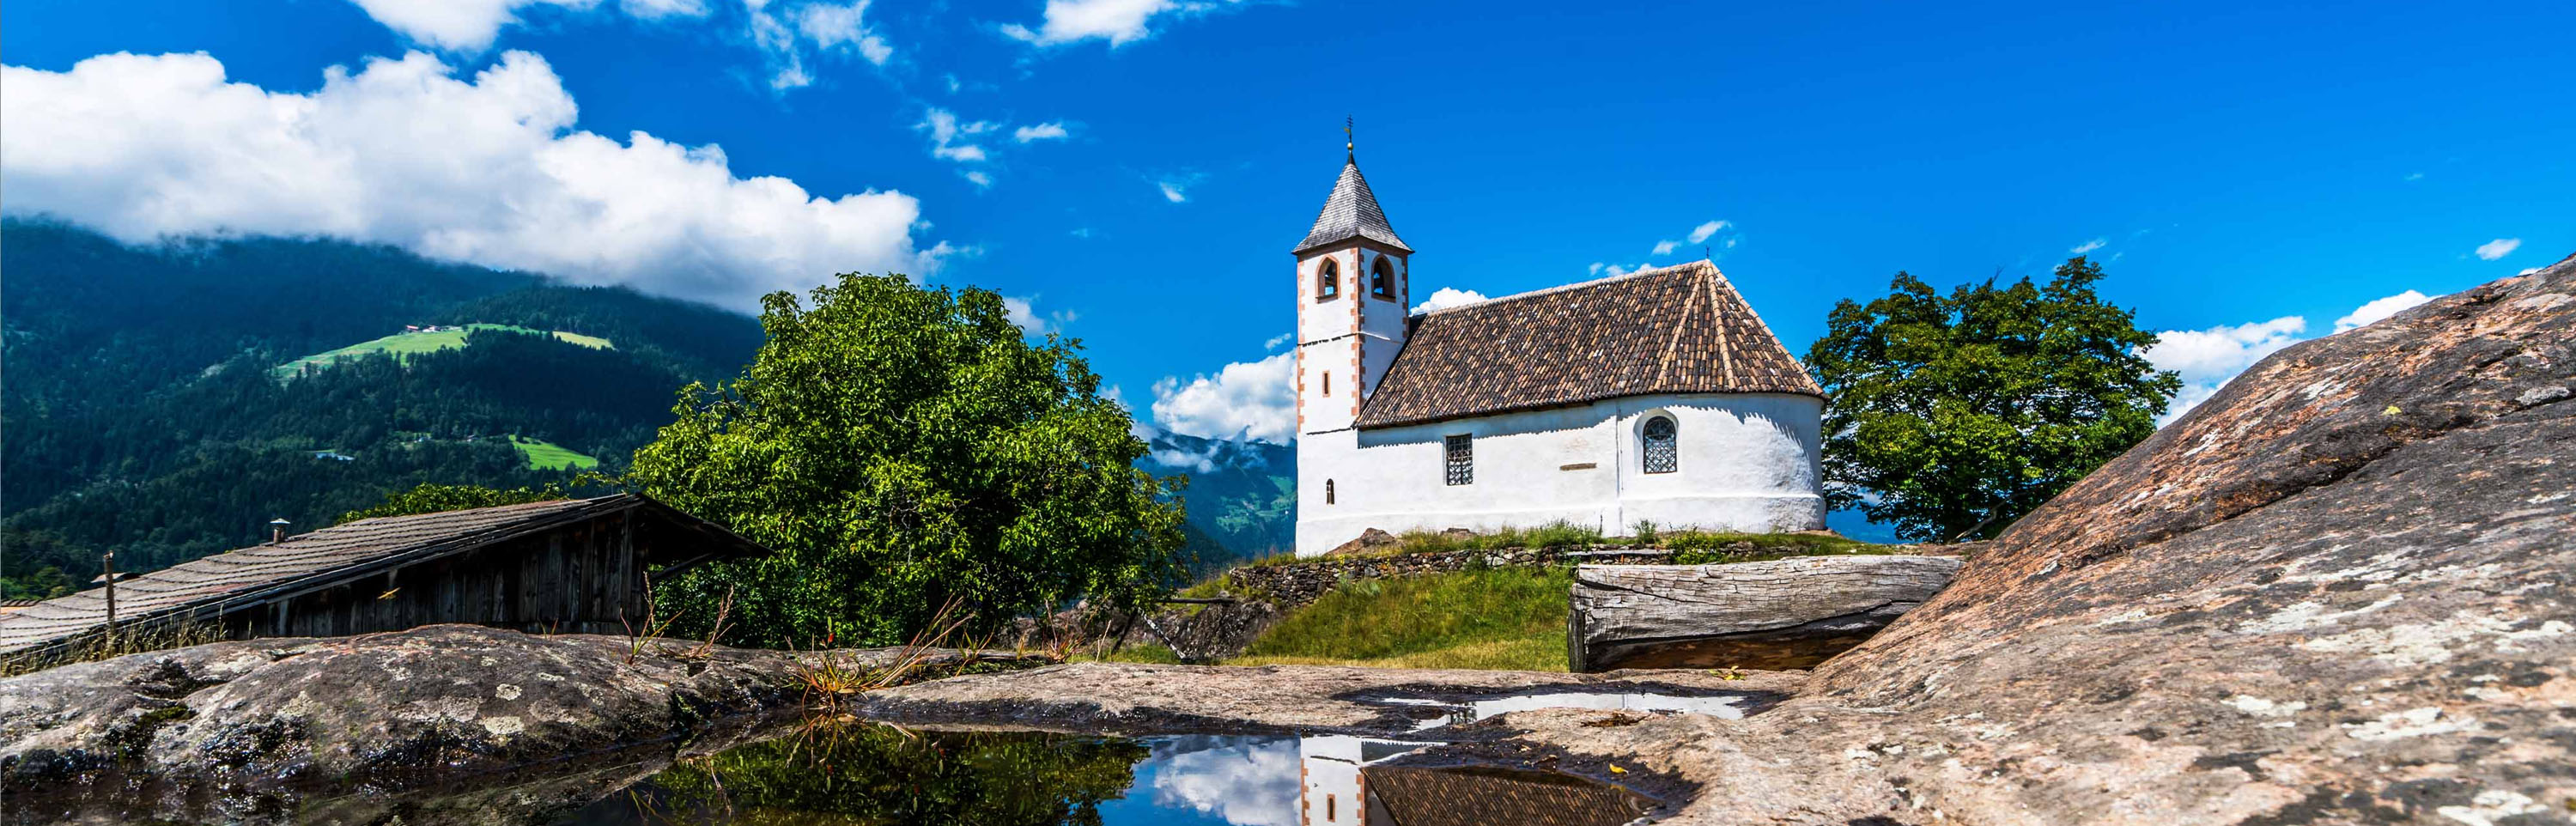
(1786, 613)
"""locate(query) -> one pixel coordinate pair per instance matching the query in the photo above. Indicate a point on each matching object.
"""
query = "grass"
(408, 343)
(545, 455)
(1559, 534)
(1491, 618)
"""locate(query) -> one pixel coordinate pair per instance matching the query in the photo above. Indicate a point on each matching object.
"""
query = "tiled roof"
(1680, 329)
(308, 559)
(1351, 212)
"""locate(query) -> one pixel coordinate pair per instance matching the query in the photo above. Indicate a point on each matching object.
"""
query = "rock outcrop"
(2341, 591)
(263, 724)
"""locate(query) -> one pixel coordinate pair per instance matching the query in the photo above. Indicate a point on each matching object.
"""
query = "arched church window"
(1382, 280)
(1328, 491)
(1328, 281)
(1663, 447)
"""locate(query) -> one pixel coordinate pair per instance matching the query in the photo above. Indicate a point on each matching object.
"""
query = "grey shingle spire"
(1351, 212)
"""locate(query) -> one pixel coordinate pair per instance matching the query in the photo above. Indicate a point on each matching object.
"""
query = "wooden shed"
(570, 566)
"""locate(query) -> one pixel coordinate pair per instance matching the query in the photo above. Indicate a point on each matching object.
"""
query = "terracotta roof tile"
(1680, 329)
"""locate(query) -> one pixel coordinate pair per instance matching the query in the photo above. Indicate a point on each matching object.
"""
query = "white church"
(1656, 395)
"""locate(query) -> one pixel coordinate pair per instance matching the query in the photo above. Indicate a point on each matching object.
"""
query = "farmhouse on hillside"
(570, 566)
(1657, 395)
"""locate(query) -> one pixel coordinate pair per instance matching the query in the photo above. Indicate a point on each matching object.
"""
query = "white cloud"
(979, 178)
(2498, 248)
(1613, 270)
(487, 170)
(2208, 359)
(945, 132)
(465, 25)
(2380, 308)
(2089, 246)
(1118, 21)
(1080, 232)
(1175, 190)
(833, 26)
(1698, 235)
(1049, 131)
(1245, 400)
(1447, 297)
(1278, 341)
(2414, 176)
(1023, 312)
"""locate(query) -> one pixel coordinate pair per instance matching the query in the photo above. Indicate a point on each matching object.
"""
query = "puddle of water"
(877, 775)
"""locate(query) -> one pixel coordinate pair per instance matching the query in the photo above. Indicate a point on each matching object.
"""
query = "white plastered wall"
(1747, 462)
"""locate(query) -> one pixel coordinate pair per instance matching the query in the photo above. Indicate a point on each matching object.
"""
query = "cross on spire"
(1350, 149)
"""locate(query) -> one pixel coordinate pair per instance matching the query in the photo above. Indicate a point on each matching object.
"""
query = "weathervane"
(1350, 149)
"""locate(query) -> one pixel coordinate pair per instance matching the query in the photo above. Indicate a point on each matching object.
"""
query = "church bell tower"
(1353, 288)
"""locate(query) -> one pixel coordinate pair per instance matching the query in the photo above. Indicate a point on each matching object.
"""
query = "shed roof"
(1679, 329)
(1351, 212)
(250, 576)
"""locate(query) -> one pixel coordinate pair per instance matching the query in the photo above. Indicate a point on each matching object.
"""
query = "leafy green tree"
(431, 497)
(1957, 414)
(902, 448)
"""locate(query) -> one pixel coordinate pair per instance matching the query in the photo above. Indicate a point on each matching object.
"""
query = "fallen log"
(1782, 613)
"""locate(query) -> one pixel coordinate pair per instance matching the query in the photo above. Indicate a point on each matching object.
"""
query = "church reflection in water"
(1342, 782)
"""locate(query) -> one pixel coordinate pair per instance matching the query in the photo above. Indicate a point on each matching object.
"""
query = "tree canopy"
(902, 448)
(431, 497)
(1954, 415)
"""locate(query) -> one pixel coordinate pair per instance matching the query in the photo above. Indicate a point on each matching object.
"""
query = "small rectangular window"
(1462, 460)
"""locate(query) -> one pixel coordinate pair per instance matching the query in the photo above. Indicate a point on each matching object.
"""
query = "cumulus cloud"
(487, 170)
(2089, 246)
(2498, 248)
(470, 25)
(1612, 270)
(1049, 131)
(2380, 308)
(2208, 359)
(1245, 400)
(1118, 21)
(1447, 297)
(1023, 312)
(1700, 234)
(1665, 247)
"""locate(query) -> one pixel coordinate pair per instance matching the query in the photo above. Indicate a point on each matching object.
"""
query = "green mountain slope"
(142, 410)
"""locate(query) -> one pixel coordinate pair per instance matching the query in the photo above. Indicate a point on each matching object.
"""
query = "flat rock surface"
(2341, 591)
(264, 722)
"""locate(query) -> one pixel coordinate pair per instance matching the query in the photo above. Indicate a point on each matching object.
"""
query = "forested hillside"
(140, 412)
(141, 409)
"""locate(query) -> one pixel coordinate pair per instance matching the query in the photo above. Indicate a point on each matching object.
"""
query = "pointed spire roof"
(1351, 212)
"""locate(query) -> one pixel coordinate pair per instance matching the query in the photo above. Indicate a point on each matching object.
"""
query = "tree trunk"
(1783, 613)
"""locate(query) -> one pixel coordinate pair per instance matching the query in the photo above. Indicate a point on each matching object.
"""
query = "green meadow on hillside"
(411, 343)
(545, 455)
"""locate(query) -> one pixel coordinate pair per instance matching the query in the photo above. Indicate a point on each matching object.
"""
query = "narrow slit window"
(1328, 384)
(1328, 281)
(1461, 453)
(1663, 446)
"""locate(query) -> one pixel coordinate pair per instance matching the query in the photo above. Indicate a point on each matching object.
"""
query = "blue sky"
(1135, 170)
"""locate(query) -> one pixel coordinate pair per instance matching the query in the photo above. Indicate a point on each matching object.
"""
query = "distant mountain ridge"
(141, 412)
